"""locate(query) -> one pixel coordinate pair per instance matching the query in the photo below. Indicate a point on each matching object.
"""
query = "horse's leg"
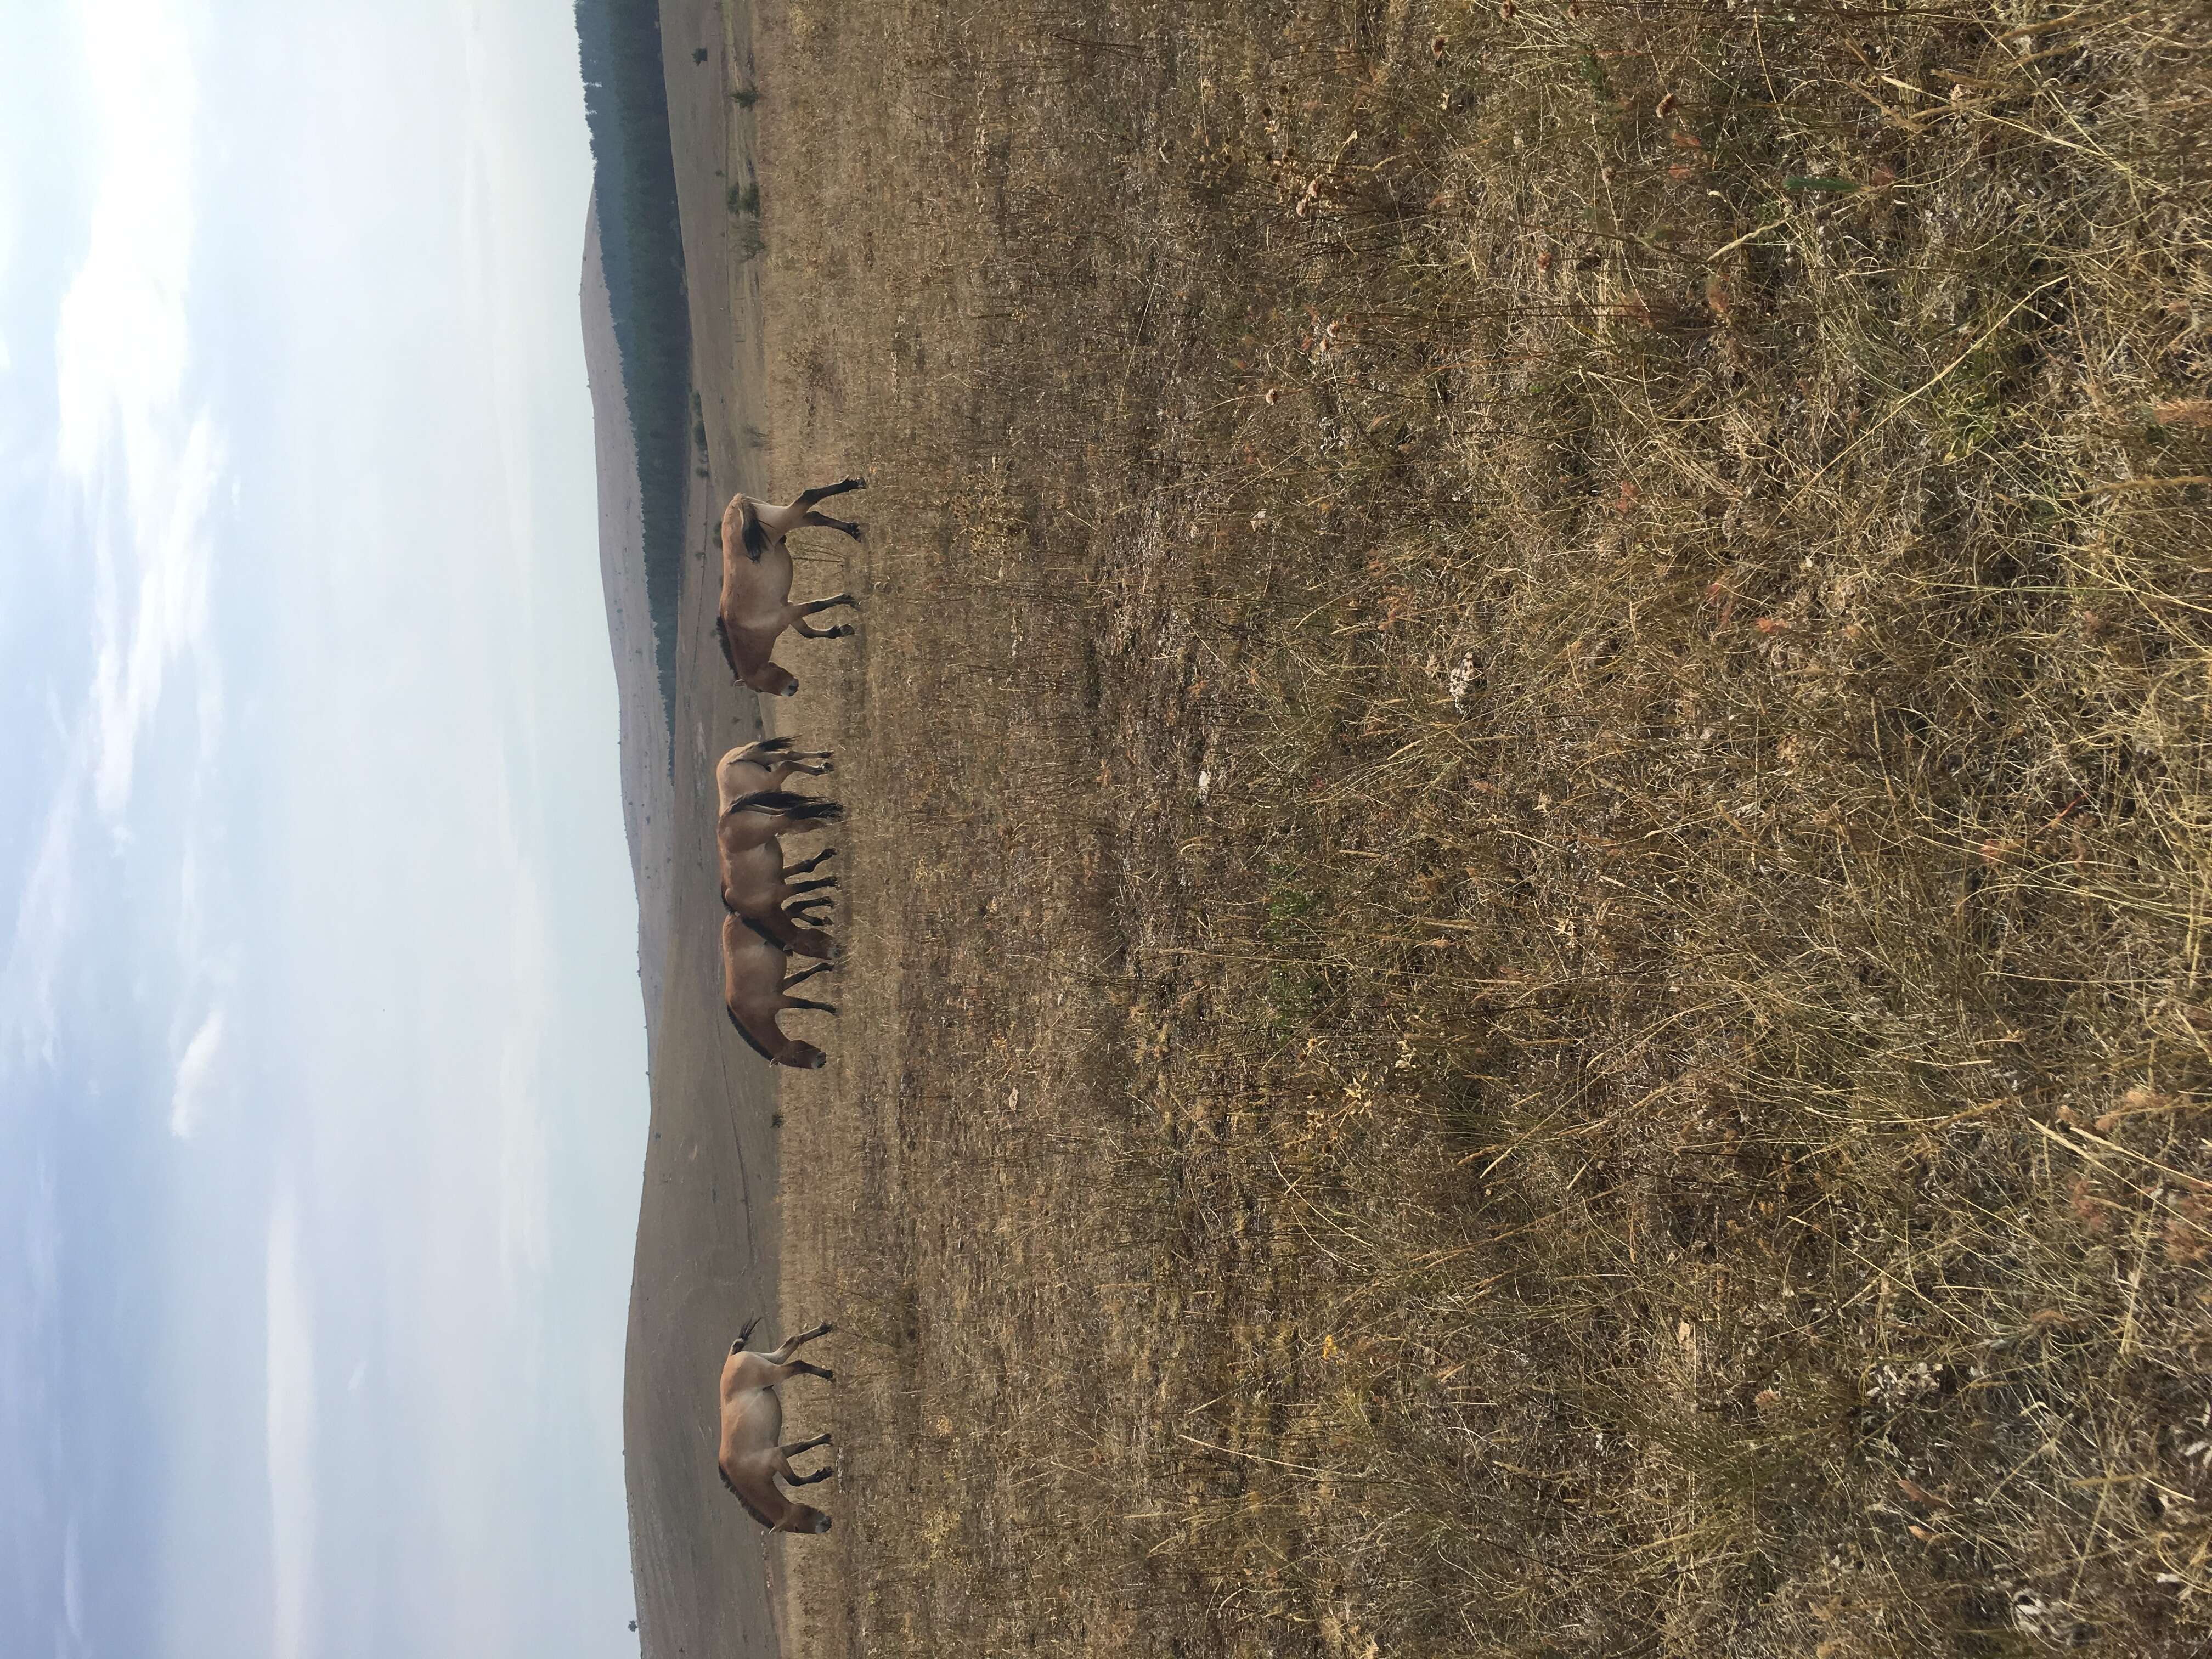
(800, 1368)
(805, 974)
(829, 604)
(811, 886)
(808, 631)
(824, 492)
(791, 1480)
(807, 910)
(824, 521)
(793, 1343)
(801, 1002)
(797, 1446)
(807, 867)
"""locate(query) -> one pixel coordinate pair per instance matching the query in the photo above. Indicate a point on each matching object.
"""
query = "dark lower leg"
(805, 974)
(798, 1446)
(824, 492)
(801, 1002)
(792, 1344)
(811, 886)
(802, 869)
(824, 521)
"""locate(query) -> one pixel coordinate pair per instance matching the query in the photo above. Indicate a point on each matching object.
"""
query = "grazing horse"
(756, 993)
(752, 1417)
(756, 585)
(756, 883)
(756, 886)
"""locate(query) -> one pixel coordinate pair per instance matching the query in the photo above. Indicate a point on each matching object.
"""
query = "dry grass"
(1529, 857)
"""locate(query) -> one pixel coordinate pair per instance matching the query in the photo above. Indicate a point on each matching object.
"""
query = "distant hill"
(642, 250)
(642, 683)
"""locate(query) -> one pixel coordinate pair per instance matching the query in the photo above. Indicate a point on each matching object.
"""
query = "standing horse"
(766, 764)
(756, 993)
(756, 585)
(752, 1417)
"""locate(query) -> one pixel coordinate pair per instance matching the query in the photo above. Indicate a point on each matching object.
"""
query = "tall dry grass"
(1530, 787)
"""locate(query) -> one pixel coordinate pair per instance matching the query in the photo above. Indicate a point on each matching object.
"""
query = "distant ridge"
(647, 771)
(642, 250)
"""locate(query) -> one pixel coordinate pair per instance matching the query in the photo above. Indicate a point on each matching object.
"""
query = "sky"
(322, 1057)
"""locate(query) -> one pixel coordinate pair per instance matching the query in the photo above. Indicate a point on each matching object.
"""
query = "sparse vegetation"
(1531, 803)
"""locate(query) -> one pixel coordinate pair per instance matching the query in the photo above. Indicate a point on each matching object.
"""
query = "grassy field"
(1529, 854)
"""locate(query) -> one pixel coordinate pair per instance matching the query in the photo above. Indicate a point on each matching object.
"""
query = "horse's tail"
(806, 808)
(770, 746)
(752, 535)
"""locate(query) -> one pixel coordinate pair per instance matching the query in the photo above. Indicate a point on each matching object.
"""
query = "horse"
(766, 814)
(752, 1416)
(756, 993)
(766, 764)
(757, 575)
(755, 881)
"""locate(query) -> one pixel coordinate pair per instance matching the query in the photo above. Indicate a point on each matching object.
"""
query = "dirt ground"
(1527, 793)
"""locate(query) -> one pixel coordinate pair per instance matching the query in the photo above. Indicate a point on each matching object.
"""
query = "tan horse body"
(756, 993)
(768, 765)
(752, 1418)
(756, 574)
(756, 882)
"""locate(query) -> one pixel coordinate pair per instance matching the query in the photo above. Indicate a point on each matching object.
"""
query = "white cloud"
(144, 459)
(43, 918)
(291, 1434)
(188, 1102)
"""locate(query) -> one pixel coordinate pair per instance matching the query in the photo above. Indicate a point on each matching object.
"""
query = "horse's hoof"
(856, 484)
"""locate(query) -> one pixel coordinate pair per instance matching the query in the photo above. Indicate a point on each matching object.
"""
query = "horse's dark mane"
(742, 1499)
(751, 1041)
(756, 925)
(722, 633)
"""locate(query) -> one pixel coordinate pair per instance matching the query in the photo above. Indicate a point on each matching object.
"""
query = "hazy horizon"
(321, 1047)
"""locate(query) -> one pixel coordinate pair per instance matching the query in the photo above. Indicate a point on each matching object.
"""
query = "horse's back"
(752, 1411)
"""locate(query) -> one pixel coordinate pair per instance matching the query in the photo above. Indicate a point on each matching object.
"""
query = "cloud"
(144, 459)
(291, 1434)
(188, 1102)
(43, 916)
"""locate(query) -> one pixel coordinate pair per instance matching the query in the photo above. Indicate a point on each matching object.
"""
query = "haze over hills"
(647, 783)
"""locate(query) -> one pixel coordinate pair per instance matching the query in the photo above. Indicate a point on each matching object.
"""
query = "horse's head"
(813, 942)
(804, 1518)
(802, 1056)
(771, 679)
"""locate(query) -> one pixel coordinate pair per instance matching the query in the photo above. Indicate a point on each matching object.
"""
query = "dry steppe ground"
(1528, 859)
